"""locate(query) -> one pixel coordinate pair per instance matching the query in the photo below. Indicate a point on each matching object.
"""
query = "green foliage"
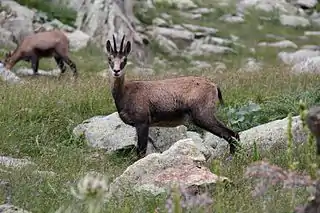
(163, 4)
(145, 15)
(244, 116)
(317, 8)
(3, 8)
(54, 11)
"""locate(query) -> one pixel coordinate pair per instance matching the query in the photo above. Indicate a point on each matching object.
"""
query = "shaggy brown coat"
(165, 103)
(46, 44)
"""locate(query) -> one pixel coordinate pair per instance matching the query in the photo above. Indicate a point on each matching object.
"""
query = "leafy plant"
(244, 116)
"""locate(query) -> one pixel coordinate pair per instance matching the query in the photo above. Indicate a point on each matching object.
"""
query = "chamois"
(164, 103)
(45, 44)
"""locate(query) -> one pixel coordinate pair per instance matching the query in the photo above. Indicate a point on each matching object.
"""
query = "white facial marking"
(115, 66)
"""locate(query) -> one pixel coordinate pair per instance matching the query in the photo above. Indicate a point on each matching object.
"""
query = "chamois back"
(172, 93)
(45, 40)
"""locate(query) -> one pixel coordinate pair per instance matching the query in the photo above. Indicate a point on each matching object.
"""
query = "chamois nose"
(116, 71)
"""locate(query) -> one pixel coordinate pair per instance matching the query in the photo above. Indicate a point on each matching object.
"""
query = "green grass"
(53, 11)
(37, 120)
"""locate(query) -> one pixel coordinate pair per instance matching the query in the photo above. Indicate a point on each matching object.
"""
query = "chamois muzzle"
(116, 72)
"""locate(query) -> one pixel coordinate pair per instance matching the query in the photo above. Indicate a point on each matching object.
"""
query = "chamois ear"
(127, 49)
(109, 47)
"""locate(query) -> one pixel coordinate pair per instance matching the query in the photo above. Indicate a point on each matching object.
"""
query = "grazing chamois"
(45, 44)
(164, 103)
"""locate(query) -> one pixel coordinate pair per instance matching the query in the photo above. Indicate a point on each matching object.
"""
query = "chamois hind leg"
(61, 65)
(72, 65)
(143, 136)
(206, 120)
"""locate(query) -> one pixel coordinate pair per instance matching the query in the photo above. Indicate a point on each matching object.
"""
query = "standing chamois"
(45, 44)
(164, 103)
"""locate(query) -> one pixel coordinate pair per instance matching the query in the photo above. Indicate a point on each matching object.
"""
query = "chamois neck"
(117, 87)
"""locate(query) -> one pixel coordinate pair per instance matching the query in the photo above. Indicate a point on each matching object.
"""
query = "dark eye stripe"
(110, 61)
(123, 64)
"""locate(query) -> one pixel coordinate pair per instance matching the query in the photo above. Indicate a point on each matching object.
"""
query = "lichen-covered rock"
(8, 76)
(294, 21)
(78, 39)
(110, 133)
(310, 65)
(292, 58)
(181, 164)
(21, 24)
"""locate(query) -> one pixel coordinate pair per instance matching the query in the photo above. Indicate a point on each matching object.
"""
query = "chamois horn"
(114, 44)
(121, 45)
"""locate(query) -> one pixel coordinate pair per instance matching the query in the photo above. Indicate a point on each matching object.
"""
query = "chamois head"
(7, 59)
(117, 59)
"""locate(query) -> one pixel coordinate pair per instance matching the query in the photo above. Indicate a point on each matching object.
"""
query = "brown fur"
(42, 45)
(165, 103)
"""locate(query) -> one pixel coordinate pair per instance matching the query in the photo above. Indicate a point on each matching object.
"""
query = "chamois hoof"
(60, 76)
(140, 155)
(74, 78)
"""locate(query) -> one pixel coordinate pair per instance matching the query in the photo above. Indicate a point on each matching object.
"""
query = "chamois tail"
(220, 96)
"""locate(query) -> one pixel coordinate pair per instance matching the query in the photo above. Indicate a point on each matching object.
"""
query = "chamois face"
(117, 60)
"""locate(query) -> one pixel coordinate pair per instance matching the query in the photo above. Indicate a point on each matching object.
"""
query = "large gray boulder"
(182, 164)
(292, 58)
(21, 23)
(8, 76)
(111, 134)
(268, 137)
(100, 19)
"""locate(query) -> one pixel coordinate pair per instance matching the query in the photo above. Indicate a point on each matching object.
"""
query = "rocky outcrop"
(102, 19)
(20, 23)
(182, 164)
(111, 134)
(8, 76)
(98, 20)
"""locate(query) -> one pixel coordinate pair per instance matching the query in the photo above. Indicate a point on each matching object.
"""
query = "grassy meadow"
(37, 119)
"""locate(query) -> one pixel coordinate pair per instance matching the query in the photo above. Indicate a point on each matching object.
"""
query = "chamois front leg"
(35, 65)
(143, 135)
